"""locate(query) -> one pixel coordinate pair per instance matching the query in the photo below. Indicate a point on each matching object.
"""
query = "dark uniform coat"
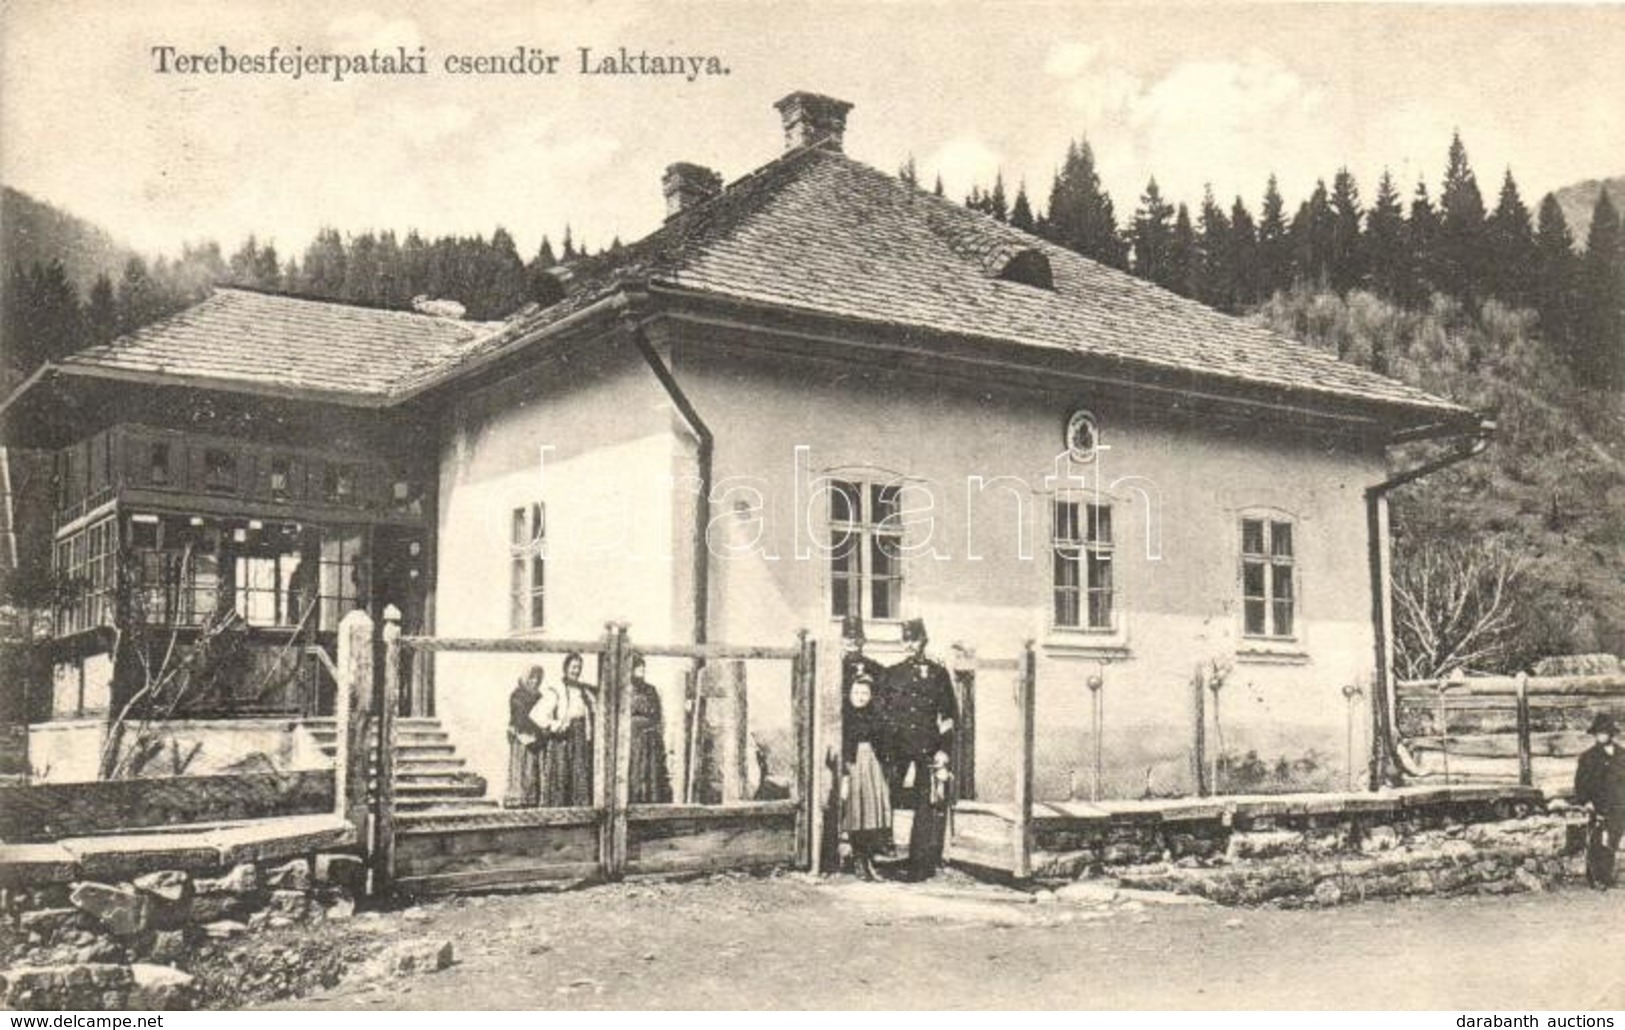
(919, 694)
(1599, 780)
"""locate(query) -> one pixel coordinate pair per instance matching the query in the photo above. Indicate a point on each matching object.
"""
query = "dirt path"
(789, 942)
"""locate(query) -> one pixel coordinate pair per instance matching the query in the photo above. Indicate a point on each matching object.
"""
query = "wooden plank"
(491, 819)
(725, 844)
(801, 732)
(719, 652)
(738, 809)
(352, 721)
(383, 784)
(471, 850)
(1199, 732)
(501, 645)
(1559, 744)
(1610, 685)
(1026, 705)
(619, 767)
(713, 864)
(515, 876)
(1526, 773)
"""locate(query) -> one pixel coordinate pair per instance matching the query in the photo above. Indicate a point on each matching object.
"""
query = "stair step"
(440, 807)
(462, 790)
(458, 779)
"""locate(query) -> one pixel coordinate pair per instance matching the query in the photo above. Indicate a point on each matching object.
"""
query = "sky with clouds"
(1193, 94)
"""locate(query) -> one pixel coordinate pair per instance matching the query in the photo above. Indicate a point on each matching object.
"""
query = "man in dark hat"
(1599, 785)
(919, 712)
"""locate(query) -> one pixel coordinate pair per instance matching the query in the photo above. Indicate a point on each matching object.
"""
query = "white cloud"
(1070, 59)
(963, 162)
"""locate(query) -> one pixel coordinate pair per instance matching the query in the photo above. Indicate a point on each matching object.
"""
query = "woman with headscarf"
(524, 743)
(650, 784)
(865, 798)
(565, 715)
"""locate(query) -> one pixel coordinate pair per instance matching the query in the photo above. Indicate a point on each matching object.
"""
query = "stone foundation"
(126, 943)
(1341, 863)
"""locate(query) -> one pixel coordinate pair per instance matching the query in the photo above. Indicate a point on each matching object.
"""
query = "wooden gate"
(435, 852)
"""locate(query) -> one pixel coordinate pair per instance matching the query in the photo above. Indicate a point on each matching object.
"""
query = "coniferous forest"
(1462, 288)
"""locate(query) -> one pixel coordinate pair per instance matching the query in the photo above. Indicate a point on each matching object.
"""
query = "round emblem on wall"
(1082, 436)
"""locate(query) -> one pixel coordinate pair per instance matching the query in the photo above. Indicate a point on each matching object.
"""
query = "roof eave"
(1412, 420)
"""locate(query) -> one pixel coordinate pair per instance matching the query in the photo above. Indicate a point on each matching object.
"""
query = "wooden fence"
(426, 852)
(1489, 729)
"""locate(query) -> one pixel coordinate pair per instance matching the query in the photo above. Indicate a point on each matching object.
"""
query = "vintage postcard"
(925, 505)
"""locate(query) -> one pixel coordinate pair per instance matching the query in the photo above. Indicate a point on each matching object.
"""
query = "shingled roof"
(812, 232)
(244, 338)
(818, 232)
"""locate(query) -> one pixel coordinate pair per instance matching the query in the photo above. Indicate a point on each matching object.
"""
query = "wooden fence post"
(735, 728)
(1199, 738)
(383, 870)
(620, 754)
(1026, 705)
(802, 789)
(1526, 770)
(352, 723)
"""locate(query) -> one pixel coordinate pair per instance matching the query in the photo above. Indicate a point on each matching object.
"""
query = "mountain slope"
(1579, 198)
(32, 230)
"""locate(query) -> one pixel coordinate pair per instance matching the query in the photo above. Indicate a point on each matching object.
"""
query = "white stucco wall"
(1178, 487)
(597, 442)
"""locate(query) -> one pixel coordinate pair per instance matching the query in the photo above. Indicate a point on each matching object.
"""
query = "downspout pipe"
(702, 434)
(1387, 759)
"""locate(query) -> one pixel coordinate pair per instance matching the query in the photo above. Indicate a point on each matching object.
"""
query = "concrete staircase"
(429, 775)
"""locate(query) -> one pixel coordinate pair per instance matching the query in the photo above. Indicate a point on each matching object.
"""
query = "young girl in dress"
(866, 800)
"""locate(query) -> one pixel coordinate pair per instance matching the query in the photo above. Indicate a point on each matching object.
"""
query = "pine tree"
(101, 311)
(1601, 344)
(1346, 271)
(1461, 227)
(139, 301)
(505, 287)
(1213, 274)
(1081, 216)
(908, 173)
(244, 264)
(415, 264)
(937, 189)
(392, 281)
(1384, 253)
(1153, 237)
(1185, 255)
(569, 251)
(361, 278)
(325, 261)
(1422, 233)
(1556, 271)
(1509, 243)
(1244, 266)
(997, 205)
(1021, 212)
(1312, 235)
(56, 322)
(1274, 244)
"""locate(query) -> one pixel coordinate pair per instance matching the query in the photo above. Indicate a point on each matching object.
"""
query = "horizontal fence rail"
(1471, 728)
(430, 852)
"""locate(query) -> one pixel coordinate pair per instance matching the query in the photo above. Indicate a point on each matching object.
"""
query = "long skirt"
(650, 783)
(567, 768)
(866, 815)
(524, 775)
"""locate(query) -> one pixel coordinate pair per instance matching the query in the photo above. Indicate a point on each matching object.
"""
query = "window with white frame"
(1081, 543)
(527, 568)
(866, 542)
(1268, 578)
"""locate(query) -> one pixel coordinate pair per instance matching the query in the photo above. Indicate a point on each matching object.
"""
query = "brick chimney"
(686, 185)
(811, 118)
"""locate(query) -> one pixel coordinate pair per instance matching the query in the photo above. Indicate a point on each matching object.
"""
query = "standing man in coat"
(1599, 785)
(919, 712)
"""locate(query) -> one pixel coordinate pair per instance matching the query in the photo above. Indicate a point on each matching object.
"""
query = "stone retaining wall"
(113, 922)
